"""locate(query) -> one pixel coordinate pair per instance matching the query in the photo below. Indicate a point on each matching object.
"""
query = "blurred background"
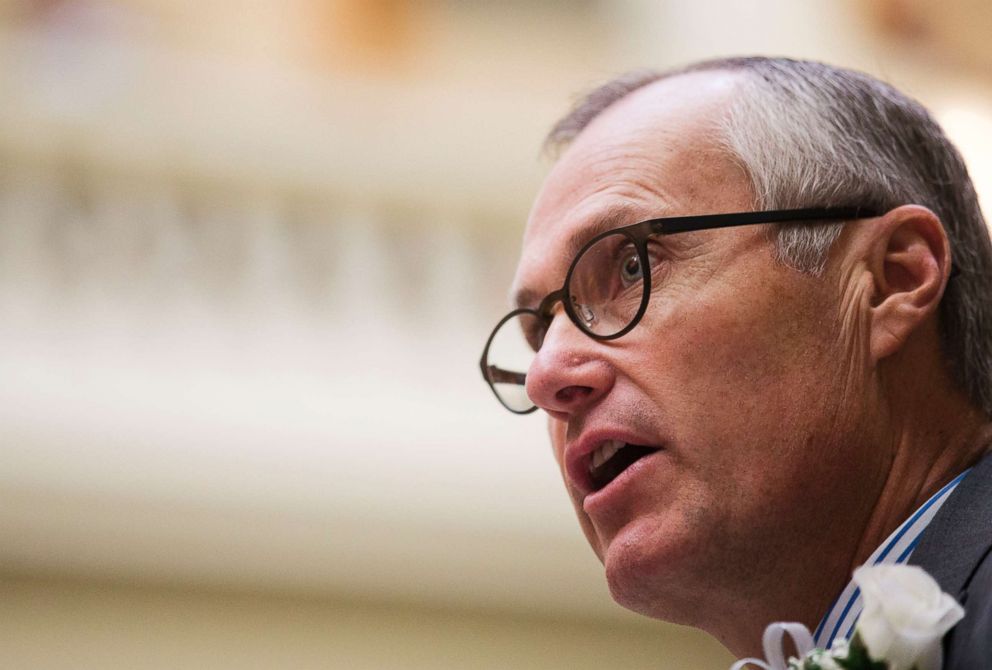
(249, 255)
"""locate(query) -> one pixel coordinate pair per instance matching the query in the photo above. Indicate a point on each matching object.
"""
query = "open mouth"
(613, 457)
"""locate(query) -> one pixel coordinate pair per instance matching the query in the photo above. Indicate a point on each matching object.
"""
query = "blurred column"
(672, 32)
(366, 34)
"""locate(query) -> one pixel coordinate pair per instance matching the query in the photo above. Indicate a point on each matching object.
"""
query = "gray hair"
(813, 135)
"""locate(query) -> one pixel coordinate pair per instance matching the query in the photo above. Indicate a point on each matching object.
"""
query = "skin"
(801, 419)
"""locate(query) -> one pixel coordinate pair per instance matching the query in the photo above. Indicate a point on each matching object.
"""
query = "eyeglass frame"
(638, 234)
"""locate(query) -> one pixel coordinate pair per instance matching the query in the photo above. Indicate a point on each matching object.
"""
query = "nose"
(569, 372)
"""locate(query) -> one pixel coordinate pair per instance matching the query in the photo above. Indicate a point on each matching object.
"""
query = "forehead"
(651, 154)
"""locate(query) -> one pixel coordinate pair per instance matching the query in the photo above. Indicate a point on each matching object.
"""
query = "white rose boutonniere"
(905, 617)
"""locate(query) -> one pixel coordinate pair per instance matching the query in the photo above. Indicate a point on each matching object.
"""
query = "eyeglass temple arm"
(681, 224)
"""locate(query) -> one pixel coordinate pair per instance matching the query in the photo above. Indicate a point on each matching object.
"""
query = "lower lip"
(610, 495)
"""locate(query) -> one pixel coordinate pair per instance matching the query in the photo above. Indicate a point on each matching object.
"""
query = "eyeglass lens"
(606, 286)
(508, 358)
(606, 290)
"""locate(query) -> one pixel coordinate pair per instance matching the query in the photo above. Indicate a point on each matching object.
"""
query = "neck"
(923, 446)
(930, 443)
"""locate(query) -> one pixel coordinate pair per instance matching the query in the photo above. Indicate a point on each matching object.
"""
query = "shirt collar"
(843, 613)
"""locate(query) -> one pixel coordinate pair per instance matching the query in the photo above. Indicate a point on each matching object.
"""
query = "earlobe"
(910, 260)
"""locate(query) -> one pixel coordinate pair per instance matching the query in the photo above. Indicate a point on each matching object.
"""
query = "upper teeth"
(605, 452)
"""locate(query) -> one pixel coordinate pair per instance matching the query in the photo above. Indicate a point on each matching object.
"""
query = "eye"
(630, 268)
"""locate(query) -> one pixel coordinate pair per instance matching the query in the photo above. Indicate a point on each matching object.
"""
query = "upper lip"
(579, 451)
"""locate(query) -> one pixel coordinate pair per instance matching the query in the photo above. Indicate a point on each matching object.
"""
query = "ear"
(910, 259)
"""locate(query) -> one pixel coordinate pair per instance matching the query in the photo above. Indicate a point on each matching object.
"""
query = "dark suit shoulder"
(960, 535)
(956, 549)
(969, 645)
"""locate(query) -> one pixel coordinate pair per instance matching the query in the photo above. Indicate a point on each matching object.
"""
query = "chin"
(650, 579)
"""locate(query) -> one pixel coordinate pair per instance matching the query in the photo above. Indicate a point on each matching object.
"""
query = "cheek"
(736, 377)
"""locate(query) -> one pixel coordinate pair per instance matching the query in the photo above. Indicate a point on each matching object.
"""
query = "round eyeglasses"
(606, 292)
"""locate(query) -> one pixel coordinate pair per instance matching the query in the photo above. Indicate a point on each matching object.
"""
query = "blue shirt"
(843, 613)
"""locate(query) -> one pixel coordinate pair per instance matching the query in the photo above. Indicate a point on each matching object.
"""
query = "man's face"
(734, 377)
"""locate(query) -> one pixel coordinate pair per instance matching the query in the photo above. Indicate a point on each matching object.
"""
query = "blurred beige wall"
(49, 625)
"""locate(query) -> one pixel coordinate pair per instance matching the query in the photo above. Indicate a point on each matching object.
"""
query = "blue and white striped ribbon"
(844, 612)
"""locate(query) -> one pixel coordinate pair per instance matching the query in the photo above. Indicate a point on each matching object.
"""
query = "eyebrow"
(615, 216)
